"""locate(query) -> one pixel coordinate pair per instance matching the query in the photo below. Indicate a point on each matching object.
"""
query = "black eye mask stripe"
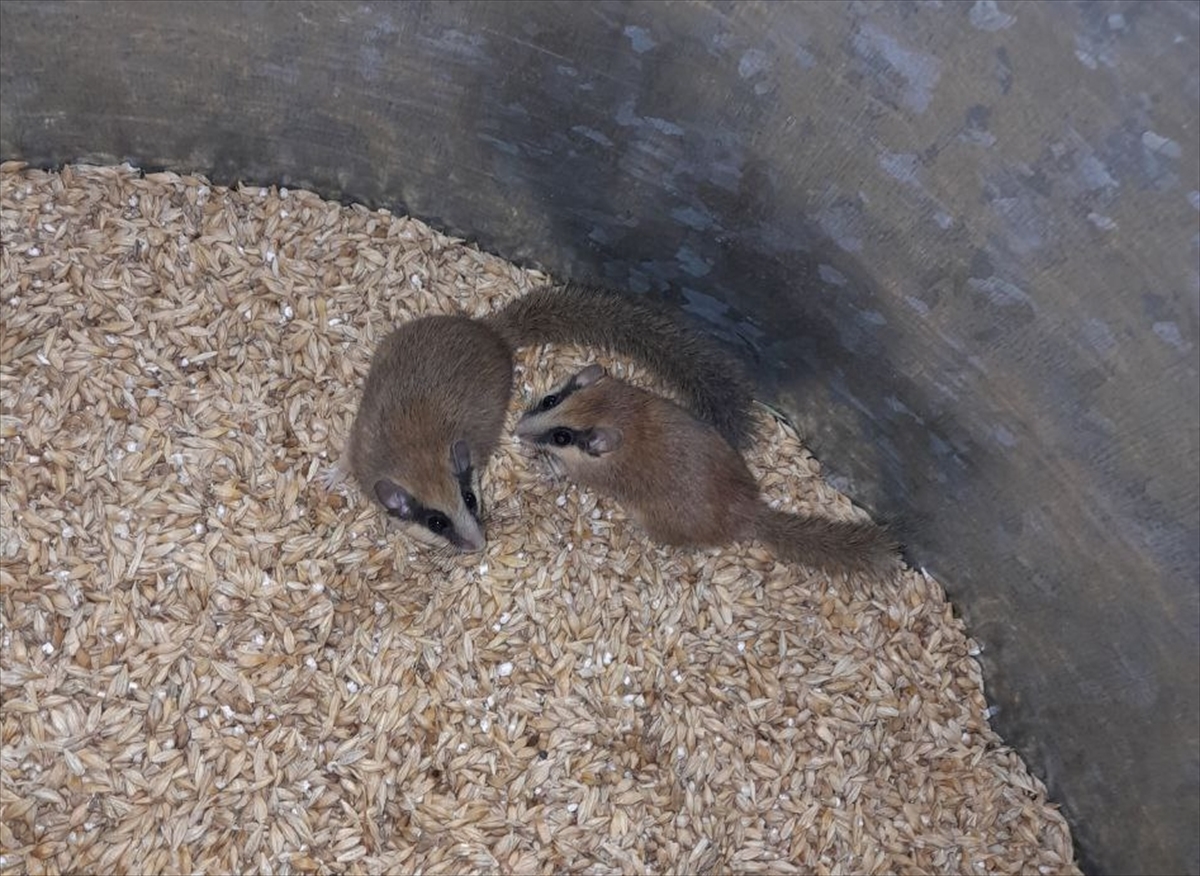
(420, 515)
(580, 438)
(560, 395)
(547, 436)
(466, 486)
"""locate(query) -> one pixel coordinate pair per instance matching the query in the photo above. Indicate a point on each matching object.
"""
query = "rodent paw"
(332, 476)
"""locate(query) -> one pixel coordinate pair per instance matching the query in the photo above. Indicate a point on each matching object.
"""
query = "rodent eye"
(562, 437)
(549, 401)
(470, 501)
(437, 523)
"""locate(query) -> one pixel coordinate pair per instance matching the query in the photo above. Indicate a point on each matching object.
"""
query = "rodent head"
(445, 508)
(569, 423)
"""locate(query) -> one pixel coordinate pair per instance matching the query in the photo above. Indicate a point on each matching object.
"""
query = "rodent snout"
(526, 431)
(472, 544)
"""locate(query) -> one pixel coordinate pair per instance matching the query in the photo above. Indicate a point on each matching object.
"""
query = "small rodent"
(680, 479)
(431, 414)
(436, 395)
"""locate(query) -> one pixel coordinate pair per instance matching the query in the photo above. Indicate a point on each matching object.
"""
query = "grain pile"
(212, 665)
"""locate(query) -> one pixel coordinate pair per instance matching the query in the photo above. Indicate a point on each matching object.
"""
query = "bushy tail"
(713, 385)
(831, 545)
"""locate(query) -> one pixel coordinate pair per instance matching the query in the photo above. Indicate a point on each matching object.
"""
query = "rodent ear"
(588, 375)
(602, 440)
(393, 497)
(460, 457)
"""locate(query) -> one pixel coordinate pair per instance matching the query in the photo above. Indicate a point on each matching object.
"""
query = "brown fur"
(683, 482)
(827, 544)
(441, 379)
(433, 381)
(662, 447)
(712, 383)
